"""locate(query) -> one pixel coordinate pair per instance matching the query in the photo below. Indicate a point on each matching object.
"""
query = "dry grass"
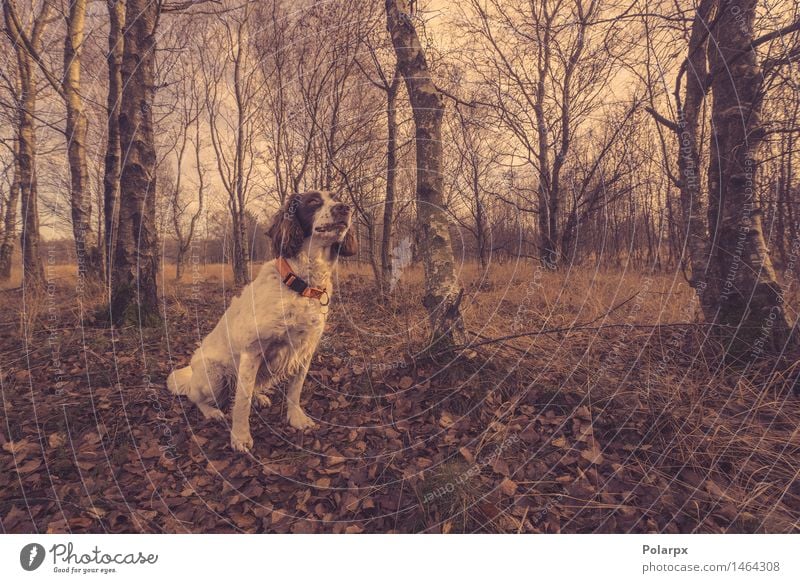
(61, 273)
(579, 292)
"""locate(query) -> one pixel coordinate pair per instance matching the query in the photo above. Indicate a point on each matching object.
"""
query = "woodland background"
(605, 190)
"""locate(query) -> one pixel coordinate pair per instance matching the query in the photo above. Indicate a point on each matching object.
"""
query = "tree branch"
(19, 32)
(662, 120)
(795, 26)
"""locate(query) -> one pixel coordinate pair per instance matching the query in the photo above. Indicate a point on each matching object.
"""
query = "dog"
(268, 334)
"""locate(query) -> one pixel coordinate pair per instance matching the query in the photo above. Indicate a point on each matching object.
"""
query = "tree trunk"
(179, 263)
(241, 275)
(116, 18)
(32, 269)
(9, 226)
(480, 218)
(134, 293)
(548, 254)
(376, 270)
(391, 180)
(672, 255)
(569, 238)
(694, 220)
(442, 294)
(185, 241)
(87, 255)
(793, 236)
(481, 238)
(780, 191)
(742, 283)
(241, 259)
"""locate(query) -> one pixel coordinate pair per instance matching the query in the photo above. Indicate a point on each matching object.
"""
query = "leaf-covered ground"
(624, 429)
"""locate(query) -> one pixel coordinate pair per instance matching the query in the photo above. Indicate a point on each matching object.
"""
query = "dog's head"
(317, 215)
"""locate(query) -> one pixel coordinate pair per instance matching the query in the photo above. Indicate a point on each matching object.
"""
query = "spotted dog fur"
(269, 333)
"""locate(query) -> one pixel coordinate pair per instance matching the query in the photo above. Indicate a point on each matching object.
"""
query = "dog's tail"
(178, 381)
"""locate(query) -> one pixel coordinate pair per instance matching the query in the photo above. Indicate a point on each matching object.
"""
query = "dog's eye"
(315, 202)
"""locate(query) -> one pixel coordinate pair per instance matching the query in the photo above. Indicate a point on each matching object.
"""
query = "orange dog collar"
(298, 284)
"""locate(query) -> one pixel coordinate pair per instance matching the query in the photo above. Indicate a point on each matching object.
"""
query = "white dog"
(270, 332)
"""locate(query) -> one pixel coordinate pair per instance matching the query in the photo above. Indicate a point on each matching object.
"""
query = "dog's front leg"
(241, 440)
(297, 417)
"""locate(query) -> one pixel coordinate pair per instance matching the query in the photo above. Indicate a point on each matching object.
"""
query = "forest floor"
(622, 421)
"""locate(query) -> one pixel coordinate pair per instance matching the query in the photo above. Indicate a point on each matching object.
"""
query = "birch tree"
(87, 252)
(387, 80)
(111, 160)
(731, 267)
(32, 269)
(10, 202)
(442, 294)
(134, 290)
(743, 284)
(68, 87)
(689, 96)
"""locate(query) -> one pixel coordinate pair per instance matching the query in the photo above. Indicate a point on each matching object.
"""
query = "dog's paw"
(216, 415)
(299, 420)
(211, 412)
(262, 401)
(241, 443)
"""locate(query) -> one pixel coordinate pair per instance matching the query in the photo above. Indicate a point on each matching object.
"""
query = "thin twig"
(585, 327)
(582, 328)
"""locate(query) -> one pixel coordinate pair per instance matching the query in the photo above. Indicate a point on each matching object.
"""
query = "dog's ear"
(286, 231)
(348, 246)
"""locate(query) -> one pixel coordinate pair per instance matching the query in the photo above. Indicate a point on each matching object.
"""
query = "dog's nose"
(341, 210)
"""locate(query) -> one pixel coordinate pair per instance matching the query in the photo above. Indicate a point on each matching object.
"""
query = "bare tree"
(188, 96)
(76, 128)
(686, 130)
(9, 214)
(742, 281)
(87, 252)
(9, 217)
(474, 177)
(320, 120)
(233, 133)
(442, 294)
(32, 269)
(389, 84)
(275, 48)
(111, 169)
(134, 292)
(544, 65)
(731, 268)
